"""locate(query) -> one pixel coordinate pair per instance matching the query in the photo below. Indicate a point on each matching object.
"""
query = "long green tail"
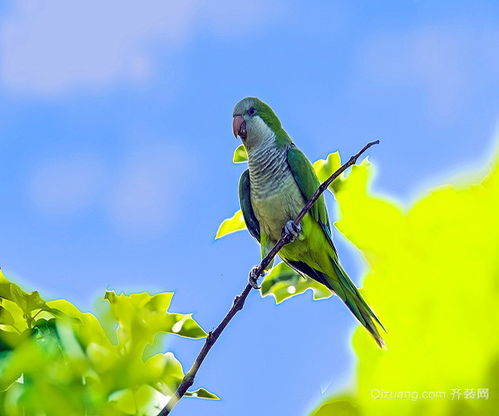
(347, 291)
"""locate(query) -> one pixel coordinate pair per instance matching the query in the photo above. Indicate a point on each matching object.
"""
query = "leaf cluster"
(432, 275)
(57, 360)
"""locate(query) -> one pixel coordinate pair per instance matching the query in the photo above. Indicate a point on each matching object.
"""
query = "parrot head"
(254, 122)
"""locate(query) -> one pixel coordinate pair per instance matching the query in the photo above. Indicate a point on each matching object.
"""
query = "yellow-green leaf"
(282, 282)
(240, 154)
(231, 225)
(432, 280)
(89, 328)
(142, 316)
(202, 394)
(6, 317)
(337, 407)
(143, 400)
(324, 168)
(165, 372)
(64, 363)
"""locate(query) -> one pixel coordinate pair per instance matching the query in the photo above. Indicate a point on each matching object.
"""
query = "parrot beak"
(239, 127)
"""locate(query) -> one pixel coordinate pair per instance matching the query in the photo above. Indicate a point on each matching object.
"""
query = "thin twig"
(239, 300)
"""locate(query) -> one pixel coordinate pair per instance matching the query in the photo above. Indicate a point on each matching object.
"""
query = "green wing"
(245, 201)
(250, 218)
(307, 181)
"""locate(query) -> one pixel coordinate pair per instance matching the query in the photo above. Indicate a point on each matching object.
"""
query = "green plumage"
(245, 202)
(279, 181)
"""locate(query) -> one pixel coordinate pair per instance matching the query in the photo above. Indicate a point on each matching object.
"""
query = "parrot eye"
(252, 111)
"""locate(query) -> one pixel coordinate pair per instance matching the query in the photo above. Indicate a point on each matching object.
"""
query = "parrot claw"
(253, 278)
(292, 230)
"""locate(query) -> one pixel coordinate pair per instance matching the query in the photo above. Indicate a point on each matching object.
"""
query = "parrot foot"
(253, 277)
(292, 230)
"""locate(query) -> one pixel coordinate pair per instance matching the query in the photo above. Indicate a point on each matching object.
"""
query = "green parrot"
(273, 190)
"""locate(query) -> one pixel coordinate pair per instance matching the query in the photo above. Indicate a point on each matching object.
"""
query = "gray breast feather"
(275, 196)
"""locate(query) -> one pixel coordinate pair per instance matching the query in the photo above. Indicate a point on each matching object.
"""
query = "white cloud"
(149, 190)
(441, 59)
(140, 196)
(64, 185)
(54, 46)
(230, 17)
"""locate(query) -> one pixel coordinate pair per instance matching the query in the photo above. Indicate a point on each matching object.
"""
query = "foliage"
(433, 277)
(231, 225)
(282, 282)
(56, 360)
(240, 154)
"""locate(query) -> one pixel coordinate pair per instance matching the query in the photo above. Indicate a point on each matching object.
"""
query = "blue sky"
(116, 146)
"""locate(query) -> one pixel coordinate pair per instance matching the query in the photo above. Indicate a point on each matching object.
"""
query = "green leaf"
(432, 279)
(12, 292)
(4, 287)
(30, 354)
(143, 400)
(337, 407)
(67, 364)
(184, 326)
(231, 225)
(6, 317)
(28, 304)
(202, 394)
(86, 324)
(10, 338)
(19, 317)
(165, 372)
(324, 168)
(282, 282)
(141, 317)
(34, 301)
(44, 327)
(240, 154)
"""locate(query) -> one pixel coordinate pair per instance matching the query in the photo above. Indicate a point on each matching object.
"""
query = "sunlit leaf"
(143, 400)
(22, 307)
(432, 280)
(6, 317)
(202, 394)
(19, 318)
(141, 317)
(240, 154)
(165, 372)
(324, 168)
(56, 360)
(27, 355)
(183, 325)
(282, 282)
(89, 328)
(337, 407)
(230, 225)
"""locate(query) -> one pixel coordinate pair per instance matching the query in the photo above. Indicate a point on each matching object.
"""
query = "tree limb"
(239, 300)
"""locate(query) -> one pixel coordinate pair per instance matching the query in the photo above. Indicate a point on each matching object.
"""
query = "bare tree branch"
(239, 300)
